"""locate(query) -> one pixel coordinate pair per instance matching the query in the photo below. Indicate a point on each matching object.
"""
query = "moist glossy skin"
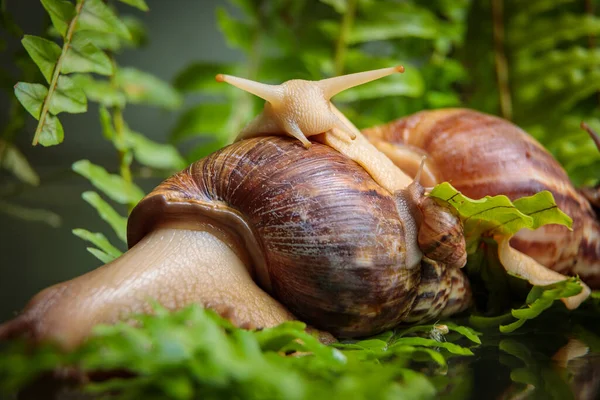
(484, 155)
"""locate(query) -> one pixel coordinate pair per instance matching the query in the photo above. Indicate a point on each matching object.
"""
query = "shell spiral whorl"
(328, 240)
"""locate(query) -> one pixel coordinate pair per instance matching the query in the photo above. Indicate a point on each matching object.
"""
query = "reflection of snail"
(336, 231)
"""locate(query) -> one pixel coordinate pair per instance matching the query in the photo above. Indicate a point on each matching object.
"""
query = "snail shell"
(320, 234)
(481, 155)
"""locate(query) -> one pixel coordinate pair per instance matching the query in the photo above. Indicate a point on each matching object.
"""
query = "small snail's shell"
(481, 155)
(441, 235)
(323, 238)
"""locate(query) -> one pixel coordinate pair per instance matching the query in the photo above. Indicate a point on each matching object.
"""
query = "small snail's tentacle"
(335, 85)
(521, 265)
(292, 128)
(442, 292)
(593, 134)
(271, 93)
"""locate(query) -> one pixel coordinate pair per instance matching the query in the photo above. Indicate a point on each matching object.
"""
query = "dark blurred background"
(34, 255)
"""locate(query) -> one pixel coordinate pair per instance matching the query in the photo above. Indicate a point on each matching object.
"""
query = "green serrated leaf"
(52, 132)
(200, 77)
(68, 97)
(43, 52)
(84, 56)
(97, 16)
(144, 88)
(205, 119)
(140, 4)
(61, 13)
(117, 222)
(98, 240)
(31, 96)
(100, 91)
(114, 186)
(498, 215)
(14, 161)
(153, 154)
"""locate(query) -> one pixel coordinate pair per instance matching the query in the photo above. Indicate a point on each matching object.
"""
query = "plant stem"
(341, 44)
(500, 59)
(56, 73)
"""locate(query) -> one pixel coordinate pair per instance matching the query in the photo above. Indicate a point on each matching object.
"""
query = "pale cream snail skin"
(270, 229)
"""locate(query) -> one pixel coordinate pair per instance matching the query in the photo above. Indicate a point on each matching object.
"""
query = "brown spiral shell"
(481, 155)
(322, 237)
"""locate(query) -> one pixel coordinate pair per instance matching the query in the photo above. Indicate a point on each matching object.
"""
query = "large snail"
(335, 231)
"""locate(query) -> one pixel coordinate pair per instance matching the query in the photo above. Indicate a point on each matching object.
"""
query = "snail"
(331, 231)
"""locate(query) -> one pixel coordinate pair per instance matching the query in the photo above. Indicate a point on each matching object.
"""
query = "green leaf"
(31, 96)
(467, 332)
(61, 13)
(152, 154)
(98, 240)
(140, 4)
(68, 97)
(84, 56)
(14, 161)
(102, 40)
(426, 342)
(100, 91)
(136, 28)
(200, 77)
(52, 132)
(144, 88)
(100, 255)
(30, 214)
(117, 222)
(43, 52)
(237, 33)
(114, 186)
(97, 16)
(205, 119)
(541, 298)
(498, 215)
(340, 6)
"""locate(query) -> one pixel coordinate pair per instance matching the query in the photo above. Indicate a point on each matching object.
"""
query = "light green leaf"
(136, 28)
(43, 52)
(100, 241)
(205, 119)
(14, 161)
(114, 186)
(340, 6)
(100, 91)
(61, 13)
(83, 56)
(498, 215)
(97, 16)
(152, 154)
(142, 87)
(103, 40)
(117, 222)
(52, 132)
(426, 342)
(237, 33)
(541, 298)
(467, 332)
(67, 97)
(141, 4)
(200, 77)
(106, 122)
(31, 96)
(100, 255)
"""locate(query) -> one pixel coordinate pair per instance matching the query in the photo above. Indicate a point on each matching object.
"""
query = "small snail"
(275, 228)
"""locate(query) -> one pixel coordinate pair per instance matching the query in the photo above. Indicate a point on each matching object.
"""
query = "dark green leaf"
(144, 88)
(205, 119)
(61, 13)
(117, 222)
(200, 77)
(141, 4)
(340, 6)
(68, 97)
(136, 28)
(30, 214)
(100, 241)
(43, 52)
(14, 161)
(237, 33)
(114, 186)
(83, 56)
(31, 96)
(97, 16)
